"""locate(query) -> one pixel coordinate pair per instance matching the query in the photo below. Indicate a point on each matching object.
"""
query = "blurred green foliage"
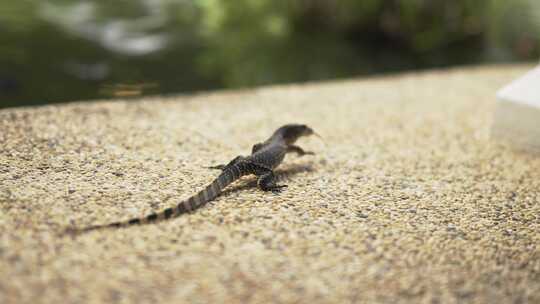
(55, 51)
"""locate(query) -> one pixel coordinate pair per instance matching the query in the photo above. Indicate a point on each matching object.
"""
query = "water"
(57, 51)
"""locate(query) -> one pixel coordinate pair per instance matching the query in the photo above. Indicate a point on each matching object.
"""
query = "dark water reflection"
(55, 51)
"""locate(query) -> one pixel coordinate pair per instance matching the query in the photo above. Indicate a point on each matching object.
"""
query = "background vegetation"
(55, 51)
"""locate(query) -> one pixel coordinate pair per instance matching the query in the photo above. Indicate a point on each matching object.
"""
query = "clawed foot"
(224, 167)
(307, 153)
(299, 151)
(278, 189)
(218, 167)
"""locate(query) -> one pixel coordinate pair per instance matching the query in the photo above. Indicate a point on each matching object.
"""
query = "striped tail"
(198, 200)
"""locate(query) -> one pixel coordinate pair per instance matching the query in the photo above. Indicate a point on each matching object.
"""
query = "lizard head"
(291, 132)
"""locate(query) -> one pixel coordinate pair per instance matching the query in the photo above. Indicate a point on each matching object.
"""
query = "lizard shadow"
(281, 174)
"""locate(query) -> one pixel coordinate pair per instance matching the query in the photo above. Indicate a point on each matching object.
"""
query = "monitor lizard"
(264, 158)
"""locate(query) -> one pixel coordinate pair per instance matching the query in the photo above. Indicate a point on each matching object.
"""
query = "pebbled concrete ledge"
(408, 201)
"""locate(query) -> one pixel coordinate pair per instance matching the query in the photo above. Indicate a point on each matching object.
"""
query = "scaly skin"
(264, 158)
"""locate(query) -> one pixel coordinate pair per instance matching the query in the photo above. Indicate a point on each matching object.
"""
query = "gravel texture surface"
(406, 200)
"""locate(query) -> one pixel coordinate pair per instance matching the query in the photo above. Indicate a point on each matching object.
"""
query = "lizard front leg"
(298, 150)
(231, 163)
(256, 147)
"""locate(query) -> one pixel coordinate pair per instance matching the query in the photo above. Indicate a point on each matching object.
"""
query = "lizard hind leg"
(267, 182)
(231, 163)
(217, 167)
